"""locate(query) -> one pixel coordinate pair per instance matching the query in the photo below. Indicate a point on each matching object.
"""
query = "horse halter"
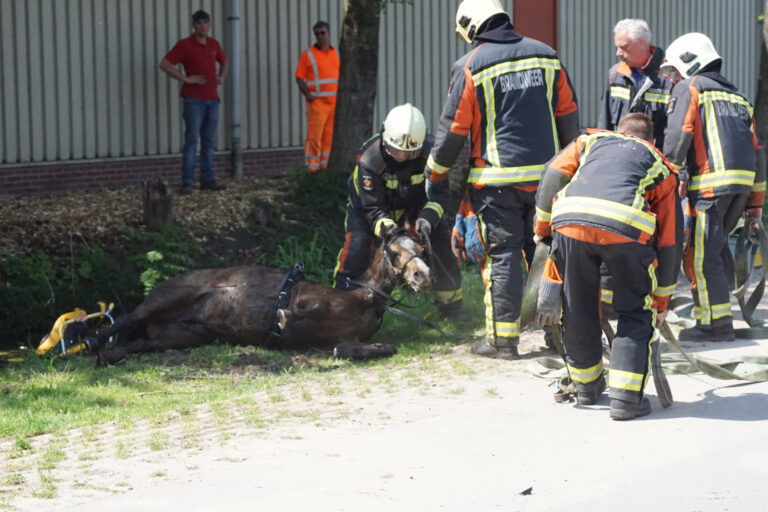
(398, 272)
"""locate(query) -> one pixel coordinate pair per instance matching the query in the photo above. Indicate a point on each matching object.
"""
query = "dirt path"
(450, 432)
(57, 472)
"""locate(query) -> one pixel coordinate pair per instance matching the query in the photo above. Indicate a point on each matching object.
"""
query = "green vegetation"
(54, 395)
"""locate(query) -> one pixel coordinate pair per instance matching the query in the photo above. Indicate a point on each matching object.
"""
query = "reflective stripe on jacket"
(507, 94)
(320, 70)
(711, 129)
(385, 190)
(617, 184)
(622, 95)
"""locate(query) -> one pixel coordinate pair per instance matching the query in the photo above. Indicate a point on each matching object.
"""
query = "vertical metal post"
(233, 86)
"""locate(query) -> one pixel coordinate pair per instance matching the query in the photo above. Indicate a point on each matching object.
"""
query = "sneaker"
(623, 410)
(699, 333)
(186, 190)
(487, 349)
(587, 394)
(212, 185)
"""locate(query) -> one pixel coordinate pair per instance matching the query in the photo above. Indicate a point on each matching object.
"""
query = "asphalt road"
(500, 444)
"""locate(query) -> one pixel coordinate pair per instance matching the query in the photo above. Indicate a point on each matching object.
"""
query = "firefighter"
(635, 84)
(317, 75)
(514, 97)
(711, 137)
(616, 205)
(386, 190)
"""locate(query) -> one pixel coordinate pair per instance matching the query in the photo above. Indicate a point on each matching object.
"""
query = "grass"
(54, 395)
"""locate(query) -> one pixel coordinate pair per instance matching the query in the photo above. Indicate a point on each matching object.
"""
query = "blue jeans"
(200, 120)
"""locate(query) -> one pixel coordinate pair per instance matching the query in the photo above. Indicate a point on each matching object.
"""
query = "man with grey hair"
(635, 84)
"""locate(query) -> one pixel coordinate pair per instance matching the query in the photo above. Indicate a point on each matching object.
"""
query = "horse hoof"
(362, 352)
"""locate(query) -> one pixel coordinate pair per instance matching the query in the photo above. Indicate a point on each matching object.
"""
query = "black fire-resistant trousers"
(506, 215)
(705, 260)
(632, 267)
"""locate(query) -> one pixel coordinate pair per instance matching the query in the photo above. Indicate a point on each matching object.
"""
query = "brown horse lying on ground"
(237, 305)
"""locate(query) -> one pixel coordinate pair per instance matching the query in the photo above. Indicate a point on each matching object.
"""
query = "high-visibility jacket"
(508, 93)
(619, 189)
(711, 129)
(384, 190)
(649, 95)
(320, 70)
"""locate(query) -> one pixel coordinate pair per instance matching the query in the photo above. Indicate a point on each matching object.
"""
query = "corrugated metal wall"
(80, 78)
(585, 36)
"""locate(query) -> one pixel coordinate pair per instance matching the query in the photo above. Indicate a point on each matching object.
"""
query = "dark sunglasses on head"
(321, 33)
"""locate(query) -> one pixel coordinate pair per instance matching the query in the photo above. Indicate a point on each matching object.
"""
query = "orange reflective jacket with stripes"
(320, 70)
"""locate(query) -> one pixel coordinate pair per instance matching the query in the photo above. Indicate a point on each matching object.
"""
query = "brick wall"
(52, 178)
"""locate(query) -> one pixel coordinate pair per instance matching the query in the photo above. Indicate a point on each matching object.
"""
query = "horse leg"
(362, 351)
(173, 336)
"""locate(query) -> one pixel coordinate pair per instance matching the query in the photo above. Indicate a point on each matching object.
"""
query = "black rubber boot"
(622, 410)
(453, 311)
(699, 333)
(587, 394)
(494, 350)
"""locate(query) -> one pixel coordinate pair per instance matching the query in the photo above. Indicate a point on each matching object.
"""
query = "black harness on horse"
(289, 279)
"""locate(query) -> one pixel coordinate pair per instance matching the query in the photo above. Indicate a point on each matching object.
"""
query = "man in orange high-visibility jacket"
(317, 75)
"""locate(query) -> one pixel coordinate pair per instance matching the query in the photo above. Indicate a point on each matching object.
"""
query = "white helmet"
(405, 128)
(471, 15)
(690, 53)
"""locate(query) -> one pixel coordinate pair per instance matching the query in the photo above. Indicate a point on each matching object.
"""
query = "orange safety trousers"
(317, 146)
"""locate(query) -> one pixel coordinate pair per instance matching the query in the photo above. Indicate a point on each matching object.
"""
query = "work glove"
(423, 228)
(466, 237)
(474, 247)
(548, 302)
(457, 238)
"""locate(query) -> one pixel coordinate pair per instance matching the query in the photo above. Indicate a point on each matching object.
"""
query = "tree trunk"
(158, 204)
(359, 55)
(761, 103)
(765, 25)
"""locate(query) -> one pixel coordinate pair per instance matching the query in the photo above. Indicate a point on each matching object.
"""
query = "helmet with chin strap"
(471, 15)
(405, 128)
(690, 53)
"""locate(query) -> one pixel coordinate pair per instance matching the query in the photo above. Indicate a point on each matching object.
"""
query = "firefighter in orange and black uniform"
(635, 84)
(386, 189)
(711, 132)
(616, 204)
(513, 96)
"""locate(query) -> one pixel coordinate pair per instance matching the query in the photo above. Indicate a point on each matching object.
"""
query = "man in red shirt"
(199, 54)
(317, 76)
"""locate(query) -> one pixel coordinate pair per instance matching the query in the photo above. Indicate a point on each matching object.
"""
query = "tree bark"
(359, 55)
(765, 25)
(158, 204)
(761, 102)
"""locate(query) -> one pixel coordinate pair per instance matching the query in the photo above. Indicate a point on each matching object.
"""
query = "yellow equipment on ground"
(69, 334)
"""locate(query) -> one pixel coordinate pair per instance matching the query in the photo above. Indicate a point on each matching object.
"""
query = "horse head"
(404, 259)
